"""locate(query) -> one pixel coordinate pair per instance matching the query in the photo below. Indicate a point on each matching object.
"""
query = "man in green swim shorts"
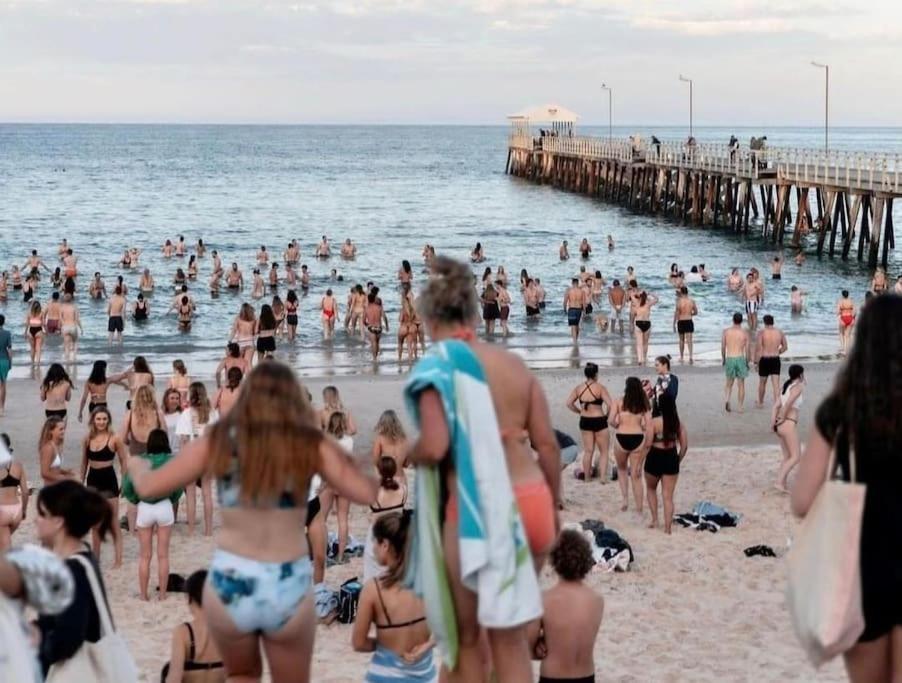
(734, 348)
(6, 361)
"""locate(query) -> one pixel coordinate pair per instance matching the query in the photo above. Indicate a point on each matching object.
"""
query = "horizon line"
(385, 124)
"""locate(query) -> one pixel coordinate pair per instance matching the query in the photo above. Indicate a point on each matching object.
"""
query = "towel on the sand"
(495, 561)
(707, 516)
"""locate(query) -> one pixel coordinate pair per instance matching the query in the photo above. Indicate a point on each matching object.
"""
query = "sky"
(449, 61)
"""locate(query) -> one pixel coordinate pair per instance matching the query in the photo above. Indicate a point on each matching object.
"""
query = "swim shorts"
(574, 315)
(736, 367)
(768, 365)
(685, 326)
(115, 324)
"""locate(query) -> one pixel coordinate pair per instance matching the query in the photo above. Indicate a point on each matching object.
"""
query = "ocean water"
(391, 190)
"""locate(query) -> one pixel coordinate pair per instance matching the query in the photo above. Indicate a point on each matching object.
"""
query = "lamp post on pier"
(689, 81)
(826, 68)
(604, 86)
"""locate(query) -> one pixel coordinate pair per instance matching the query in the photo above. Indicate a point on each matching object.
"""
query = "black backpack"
(348, 597)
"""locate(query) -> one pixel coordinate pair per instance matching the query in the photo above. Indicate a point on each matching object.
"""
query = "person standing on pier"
(769, 344)
(682, 320)
(574, 304)
(734, 355)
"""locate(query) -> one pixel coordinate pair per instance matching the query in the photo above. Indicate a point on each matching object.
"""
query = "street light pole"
(689, 81)
(826, 68)
(604, 86)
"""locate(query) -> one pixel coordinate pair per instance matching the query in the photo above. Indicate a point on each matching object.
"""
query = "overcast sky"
(448, 61)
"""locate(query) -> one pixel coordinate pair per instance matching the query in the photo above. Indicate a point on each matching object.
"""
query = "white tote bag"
(824, 589)
(106, 661)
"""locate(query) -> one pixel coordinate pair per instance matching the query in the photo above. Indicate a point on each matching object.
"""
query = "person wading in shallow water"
(734, 355)
(574, 304)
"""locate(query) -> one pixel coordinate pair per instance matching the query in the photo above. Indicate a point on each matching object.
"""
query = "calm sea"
(390, 189)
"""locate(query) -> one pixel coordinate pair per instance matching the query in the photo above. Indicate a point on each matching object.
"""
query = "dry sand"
(693, 607)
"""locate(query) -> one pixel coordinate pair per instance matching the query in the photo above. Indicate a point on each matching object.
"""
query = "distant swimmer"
(477, 255)
(34, 262)
(305, 278)
(185, 313)
(62, 249)
(348, 249)
(694, 276)
(704, 273)
(70, 264)
(234, 278)
(564, 252)
(574, 305)
(800, 258)
(322, 249)
(770, 344)
(585, 249)
(845, 311)
(217, 262)
(531, 299)
(97, 288)
(617, 299)
(734, 281)
(258, 286)
(292, 253)
(776, 268)
(168, 249)
(140, 309)
(329, 308)
(610, 243)
(215, 278)
(683, 323)
(180, 247)
(504, 304)
(146, 283)
(540, 293)
(262, 255)
(878, 282)
(797, 299)
(274, 276)
(191, 269)
(116, 313)
(734, 356)
(200, 249)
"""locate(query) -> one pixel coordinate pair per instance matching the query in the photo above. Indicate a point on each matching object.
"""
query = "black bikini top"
(105, 454)
(8, 480)
(190, 664)
(388, 618)
(596, 402)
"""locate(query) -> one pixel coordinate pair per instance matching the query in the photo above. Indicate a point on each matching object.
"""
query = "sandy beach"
(693, 607)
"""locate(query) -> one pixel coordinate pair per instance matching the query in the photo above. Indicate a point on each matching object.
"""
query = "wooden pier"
(844, 198)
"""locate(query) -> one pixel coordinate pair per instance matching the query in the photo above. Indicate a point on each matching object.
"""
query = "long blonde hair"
(49, 425)
(390, 426)
(197, 399)
(332, 399)
(144, 405)
(272, 432)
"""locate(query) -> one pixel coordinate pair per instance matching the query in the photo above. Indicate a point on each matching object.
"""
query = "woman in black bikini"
(291, 313)
(266, 332)
(140, 310)
(662, 464)
(100, 449)
(403, 644)
(643, 324)
(195, 657)
(490, 309)
(591, 401)
(391, 497)
(631, 417)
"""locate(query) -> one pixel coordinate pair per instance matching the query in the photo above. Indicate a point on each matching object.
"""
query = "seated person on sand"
(564, 638)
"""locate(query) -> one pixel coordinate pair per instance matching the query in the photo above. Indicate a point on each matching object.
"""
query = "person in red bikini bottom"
(845, 309)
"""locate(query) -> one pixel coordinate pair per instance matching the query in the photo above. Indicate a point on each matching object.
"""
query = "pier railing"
(859, 170)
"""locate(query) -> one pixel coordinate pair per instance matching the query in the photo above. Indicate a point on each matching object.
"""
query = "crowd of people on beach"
(271, 468)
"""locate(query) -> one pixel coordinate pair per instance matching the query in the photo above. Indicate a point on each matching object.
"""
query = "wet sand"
(693, 608)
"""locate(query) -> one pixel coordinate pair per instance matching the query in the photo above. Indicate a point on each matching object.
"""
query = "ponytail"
(392, 527)
(388, 468)
(80, 508)
(795, 371)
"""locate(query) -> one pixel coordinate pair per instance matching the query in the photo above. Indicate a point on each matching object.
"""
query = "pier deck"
(712, 184)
